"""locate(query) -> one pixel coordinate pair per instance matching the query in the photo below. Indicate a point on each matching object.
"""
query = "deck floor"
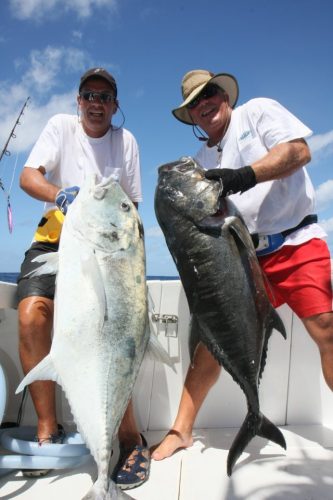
(265, 471)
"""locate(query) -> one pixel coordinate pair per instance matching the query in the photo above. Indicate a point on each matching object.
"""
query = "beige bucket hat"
(195, 81)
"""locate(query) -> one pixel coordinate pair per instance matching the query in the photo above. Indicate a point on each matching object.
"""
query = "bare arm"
(282, 160)
(34, 183)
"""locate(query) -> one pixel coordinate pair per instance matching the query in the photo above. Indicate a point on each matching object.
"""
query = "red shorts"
(300, 276)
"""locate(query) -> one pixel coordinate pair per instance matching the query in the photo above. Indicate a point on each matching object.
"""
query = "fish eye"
(200, 204)
(185, 168)
(125, 206)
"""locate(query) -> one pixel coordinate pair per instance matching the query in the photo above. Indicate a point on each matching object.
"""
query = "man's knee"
(34, 314)
(320, 328)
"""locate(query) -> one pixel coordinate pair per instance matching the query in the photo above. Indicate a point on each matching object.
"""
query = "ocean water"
(12, 277)
(9, 277)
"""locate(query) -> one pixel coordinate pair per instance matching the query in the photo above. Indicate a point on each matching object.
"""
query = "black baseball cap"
(99, 73)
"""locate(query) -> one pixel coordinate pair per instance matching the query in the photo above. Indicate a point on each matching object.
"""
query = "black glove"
(233, 181)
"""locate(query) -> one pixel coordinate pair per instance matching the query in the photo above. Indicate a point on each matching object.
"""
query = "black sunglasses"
(104, 97)
(208, 92)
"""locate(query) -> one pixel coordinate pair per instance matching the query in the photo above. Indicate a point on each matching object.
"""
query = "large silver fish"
(216, 260)
(100, 320)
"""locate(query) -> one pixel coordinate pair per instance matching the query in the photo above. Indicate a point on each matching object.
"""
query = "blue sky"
(281, 50)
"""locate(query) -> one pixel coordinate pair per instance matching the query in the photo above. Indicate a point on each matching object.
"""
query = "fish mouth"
(100, 189)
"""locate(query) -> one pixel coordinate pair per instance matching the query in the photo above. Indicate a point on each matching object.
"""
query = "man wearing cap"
(69, 148)
(258, 152)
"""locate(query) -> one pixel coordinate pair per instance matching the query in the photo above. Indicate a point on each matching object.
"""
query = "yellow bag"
(49, 227)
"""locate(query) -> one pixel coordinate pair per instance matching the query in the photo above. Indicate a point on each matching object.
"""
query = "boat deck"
(264, 471)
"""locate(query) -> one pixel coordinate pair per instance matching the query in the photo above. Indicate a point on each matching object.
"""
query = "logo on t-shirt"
(245, 135)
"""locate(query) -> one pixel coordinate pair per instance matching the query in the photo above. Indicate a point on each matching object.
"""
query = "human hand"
(233, 181)
(65, 197)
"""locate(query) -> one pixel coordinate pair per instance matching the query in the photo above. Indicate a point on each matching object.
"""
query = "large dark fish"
(219, 270)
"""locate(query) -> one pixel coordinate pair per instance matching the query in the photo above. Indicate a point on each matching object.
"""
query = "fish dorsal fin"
(50, 266)
(157, 352)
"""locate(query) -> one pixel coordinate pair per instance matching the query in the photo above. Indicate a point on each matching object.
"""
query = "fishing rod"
(6, 152)
(12, 134)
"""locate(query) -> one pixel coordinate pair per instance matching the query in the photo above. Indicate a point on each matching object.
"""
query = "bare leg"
(320, 327)
(35, 327)
(199, 379)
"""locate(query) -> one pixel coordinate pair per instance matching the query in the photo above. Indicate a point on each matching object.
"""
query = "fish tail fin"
(45, 370)
(268, 430)
(277, 323)
(97, 492)
(253, 425)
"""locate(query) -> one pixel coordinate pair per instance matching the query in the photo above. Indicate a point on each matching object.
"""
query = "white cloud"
(321, 145)
(327, 225)
(154, 232)
(324, 195)
(39, 9)
(44, 67)
(77, 34)
(36, 117)
(321, 141)
(44, 72)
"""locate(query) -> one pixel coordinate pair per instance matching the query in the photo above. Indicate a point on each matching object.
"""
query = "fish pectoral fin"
(50, 266)
(92, 273)
(195, 337)
(253, 425)
(239, 230)
(157, 352)
(151, 303)
(45, 370)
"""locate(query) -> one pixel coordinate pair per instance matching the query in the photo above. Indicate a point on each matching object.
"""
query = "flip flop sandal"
(52, 439)
(133, 466)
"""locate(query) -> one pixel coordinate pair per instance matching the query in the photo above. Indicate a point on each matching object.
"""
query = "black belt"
(309, 219)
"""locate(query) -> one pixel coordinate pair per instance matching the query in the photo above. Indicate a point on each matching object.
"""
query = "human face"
(96, 116)
(211, 113)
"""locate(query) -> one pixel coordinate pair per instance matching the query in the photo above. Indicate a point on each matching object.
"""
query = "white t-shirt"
(68, 155)
(273, 206)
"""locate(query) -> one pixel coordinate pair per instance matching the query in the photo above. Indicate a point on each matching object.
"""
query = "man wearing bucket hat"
(258, 151)
(70, 148)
